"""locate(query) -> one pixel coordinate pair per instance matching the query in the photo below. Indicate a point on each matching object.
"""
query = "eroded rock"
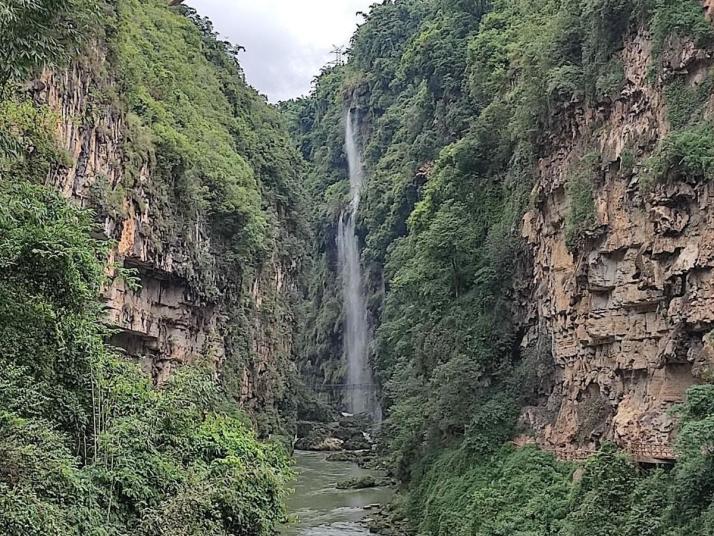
(625, 313)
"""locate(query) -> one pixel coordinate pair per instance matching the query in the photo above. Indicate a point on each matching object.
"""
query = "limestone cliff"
(626, 311)
(178, 305)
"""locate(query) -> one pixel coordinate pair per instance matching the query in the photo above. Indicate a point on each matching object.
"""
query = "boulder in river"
(319, 444)
(316, 436)
(362, 482)
(387, 520)
(351, 432)
(358, 442)
(312, 428)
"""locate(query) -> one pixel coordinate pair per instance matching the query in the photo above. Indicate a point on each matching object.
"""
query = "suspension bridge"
(330, 387)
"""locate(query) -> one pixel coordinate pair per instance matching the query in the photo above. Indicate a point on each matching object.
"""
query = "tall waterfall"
(361, 397)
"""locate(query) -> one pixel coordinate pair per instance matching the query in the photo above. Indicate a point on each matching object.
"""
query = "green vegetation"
(457, 102)
(88, 446)
(679, 19)
(515, 492)
(177, 95)
(628, 161)
(218, 151)
(686, 103)
(527, 492)
(27, 141)
(225, 181)
(581, 216)
(687, 154)
(41, 32)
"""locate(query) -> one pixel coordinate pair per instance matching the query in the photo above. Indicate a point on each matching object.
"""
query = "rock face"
(626, 312)
(158, 320)
(166, 317)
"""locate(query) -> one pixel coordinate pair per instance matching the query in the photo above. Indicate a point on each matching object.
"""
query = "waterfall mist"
(361, 395)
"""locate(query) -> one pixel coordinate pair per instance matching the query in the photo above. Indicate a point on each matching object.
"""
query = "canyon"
(624, 316)
(476, 256)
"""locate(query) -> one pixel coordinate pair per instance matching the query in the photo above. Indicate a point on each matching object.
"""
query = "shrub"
(41, 32)
(581, 216)
(686, 155)
(28, 144)
(685, 103)
(683, 18)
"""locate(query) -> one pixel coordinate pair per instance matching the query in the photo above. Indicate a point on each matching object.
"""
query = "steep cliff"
(149, 217)
(200, 199)
(628, 308)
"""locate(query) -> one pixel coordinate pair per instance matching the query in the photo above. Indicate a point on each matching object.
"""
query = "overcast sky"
(286, 41)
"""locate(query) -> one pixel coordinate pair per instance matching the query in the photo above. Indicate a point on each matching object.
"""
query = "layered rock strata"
(627, 311)
(159, 315)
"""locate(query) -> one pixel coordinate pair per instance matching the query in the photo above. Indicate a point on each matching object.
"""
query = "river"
(322, 510)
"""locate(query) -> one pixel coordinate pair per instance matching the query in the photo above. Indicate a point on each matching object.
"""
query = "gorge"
(487, 230)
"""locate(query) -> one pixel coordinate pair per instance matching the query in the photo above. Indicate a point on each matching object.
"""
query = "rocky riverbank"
(346, 433)
(387, 520)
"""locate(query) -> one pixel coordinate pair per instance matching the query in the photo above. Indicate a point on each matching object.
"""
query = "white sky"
(286, 41)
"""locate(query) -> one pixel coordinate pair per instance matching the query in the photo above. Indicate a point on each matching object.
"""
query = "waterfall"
(356, 329)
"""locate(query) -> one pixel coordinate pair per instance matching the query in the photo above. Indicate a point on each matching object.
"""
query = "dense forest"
(141, 176)
(459, 101)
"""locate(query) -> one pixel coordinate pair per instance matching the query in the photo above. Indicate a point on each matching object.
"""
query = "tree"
(40, 32)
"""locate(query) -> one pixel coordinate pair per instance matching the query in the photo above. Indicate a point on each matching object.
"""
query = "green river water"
(318, 508)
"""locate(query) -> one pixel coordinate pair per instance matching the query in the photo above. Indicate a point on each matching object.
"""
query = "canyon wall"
(534, 233)
(168, 299)
(607, 306)
(626, 311)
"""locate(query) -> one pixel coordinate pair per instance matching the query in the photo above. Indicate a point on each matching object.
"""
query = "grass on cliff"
(683, 19)
(580, 191)
(28, 148)
(685, 155)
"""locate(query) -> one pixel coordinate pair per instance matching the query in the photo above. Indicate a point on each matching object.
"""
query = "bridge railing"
(345, 387)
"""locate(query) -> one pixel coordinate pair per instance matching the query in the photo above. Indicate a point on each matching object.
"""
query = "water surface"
(320, 508)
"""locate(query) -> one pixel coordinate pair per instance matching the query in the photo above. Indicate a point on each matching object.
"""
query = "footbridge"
(330, 387)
